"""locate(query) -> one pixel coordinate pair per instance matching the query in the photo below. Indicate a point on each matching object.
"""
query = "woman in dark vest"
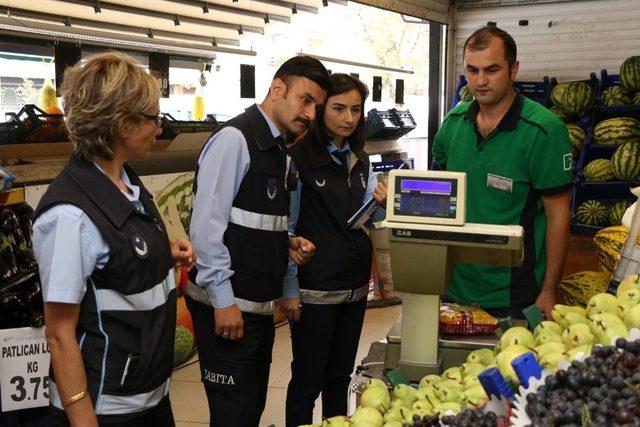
(106, 264)
(335, 180)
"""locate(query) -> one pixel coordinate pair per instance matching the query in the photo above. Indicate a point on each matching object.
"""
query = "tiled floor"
(190, 403)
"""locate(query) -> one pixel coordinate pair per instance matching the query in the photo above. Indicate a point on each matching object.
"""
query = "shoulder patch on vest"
(140, 246)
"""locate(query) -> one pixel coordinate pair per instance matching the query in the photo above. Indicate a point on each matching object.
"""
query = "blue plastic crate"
(602, 113)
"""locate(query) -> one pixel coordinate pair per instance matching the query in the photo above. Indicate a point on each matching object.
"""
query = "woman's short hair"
(101, 96)
(342, 83)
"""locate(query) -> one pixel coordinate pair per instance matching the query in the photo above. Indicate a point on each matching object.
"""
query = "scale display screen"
(426, 197)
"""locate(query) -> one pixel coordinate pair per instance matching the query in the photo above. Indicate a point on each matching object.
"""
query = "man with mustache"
(518, 162)
(239, 229)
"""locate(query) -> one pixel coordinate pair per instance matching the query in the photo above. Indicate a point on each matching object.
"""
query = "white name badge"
(499, 182)
(24, 369)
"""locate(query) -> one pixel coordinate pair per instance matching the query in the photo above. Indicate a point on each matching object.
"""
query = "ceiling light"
(176, 21)
(266, 18)
(67, 21)
(150, 33)
(240, 32)
(214, 42)
(294, 10)
(96, 7)
(205, 8)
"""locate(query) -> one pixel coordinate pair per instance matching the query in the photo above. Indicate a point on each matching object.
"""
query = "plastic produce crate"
(172, 127)
(537, 91)
(390, 124)
(602, 112)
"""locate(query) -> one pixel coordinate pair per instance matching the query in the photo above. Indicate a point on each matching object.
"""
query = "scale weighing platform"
(427, 236)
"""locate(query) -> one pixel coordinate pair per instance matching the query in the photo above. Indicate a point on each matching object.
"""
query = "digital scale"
(428, 235)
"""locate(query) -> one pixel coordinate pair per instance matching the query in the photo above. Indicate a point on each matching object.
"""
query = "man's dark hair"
(304, 66)
(342, 83)
(481, 38)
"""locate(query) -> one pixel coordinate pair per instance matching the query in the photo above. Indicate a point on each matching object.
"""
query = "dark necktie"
(343, 156)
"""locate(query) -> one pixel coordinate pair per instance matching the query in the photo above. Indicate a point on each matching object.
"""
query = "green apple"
(550, 347)
(504, 359)
(547, 326)
(429, 379)
(454, 374)
(546, 337)
(475, 396)
(603, 303)
(484, 356)
(612, 332)
(376, 397)
(632, 317)
(517, 335)
(576, 335)
(574, 352)
(405, 393)
(365, 414)
(448, 391)
(393, 414)
(551, 360)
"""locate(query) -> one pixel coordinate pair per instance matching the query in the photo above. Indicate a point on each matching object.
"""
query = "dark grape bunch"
(466, 418)
(426, 421)
(601, 391)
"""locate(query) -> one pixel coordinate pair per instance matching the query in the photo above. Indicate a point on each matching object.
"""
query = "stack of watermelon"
(572, 100)
(630, 79)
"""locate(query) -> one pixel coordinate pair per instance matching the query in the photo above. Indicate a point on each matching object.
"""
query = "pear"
(362, 423)
(422, 405)
(547, 326)
(626, 306)
(551, 360)
(448, 391)
(484, 356)
(632, 317)
(427, 392)
(376, 397)
(374, 382)
(475, 396)
(454, 374)
(560, 311)
(397, 403)
(574, 352)
(550, 347)
(505, 358)
(364, 414)
(603, 303)
(630, 284)
(473, 369)
(470, 381)
(393, 424)
(545, 337)
(577, 335)
(517, 335)
(572, 318)
(337, 421)
(407, 415)
(611, 332)
(429, 379)
(405, 393)
(455, 407)
(393, 414)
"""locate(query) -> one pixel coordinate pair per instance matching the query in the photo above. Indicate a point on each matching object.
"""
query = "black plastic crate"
(390, 124)
(607, 193)
(38, 126)
(602, 112)
(12, 130)
(172, 127)
(403, 119)
(537, 91)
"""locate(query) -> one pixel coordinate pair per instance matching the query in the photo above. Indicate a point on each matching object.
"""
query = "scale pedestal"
(422, 260)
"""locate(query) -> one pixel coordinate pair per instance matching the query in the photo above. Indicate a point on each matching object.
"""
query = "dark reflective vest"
(256, 236)
(328, 199)
(129, 308)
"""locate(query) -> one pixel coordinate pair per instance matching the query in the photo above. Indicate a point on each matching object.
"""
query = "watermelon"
(592, 212)
(625, 161)
(615, 95)
(564, 115)
(598, 170)
(576, 137)
(578, 98)
(556, 93)
(636, 99)
(616, 212)
(617, 131)
(465, 94)
(183, 345)
(630, 74)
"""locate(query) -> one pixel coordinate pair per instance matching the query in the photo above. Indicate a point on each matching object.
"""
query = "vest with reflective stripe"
(129, 308)
(256, 235)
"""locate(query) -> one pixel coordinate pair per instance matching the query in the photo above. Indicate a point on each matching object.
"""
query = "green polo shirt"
(528, 155)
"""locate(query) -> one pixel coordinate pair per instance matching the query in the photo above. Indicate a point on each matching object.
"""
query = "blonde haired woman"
(105, 260)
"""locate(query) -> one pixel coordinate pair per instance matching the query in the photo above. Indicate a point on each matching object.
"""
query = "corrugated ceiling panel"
(433, 10)
(584, 36)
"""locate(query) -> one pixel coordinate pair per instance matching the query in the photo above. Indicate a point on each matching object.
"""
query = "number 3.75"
(22, 392)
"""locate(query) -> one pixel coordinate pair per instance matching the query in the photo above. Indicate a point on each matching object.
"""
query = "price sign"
(24, 369)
